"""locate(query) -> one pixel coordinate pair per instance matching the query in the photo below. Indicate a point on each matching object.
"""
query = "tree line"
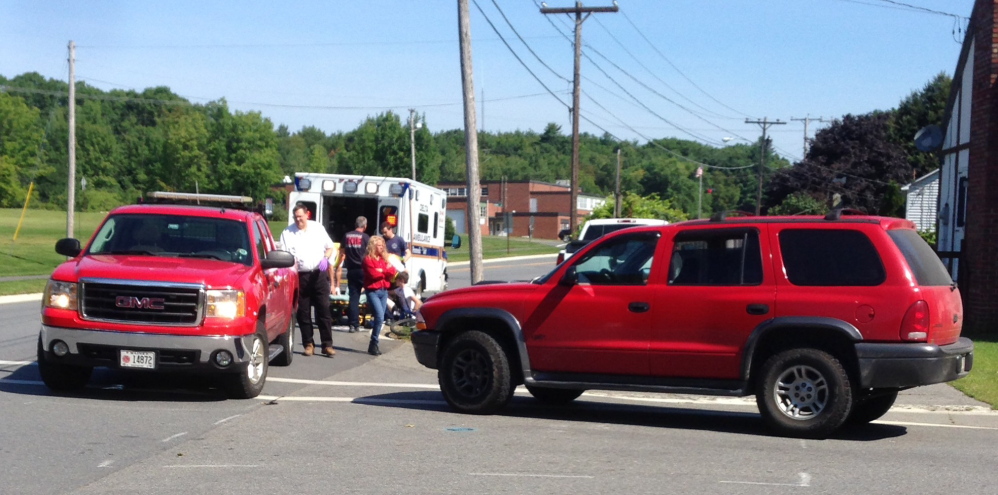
(130, 142)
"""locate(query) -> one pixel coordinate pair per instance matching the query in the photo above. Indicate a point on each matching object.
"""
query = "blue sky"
(692, 69)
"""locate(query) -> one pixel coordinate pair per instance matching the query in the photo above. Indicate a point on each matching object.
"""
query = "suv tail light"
(915, 325)
(561, 257)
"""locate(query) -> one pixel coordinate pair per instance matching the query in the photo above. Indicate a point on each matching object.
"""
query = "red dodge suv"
(822, 319)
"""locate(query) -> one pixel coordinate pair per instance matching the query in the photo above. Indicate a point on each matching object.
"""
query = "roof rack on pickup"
(239, 202)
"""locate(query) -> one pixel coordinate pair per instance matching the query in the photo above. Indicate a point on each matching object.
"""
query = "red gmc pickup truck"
(171, 288)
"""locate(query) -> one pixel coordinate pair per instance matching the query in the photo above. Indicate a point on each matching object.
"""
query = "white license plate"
(138, 359)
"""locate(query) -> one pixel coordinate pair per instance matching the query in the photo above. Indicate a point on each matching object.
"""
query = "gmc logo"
(133, 302)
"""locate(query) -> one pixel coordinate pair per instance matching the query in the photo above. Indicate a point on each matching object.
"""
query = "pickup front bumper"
(173, 352)
(911, 365)
(425, 344)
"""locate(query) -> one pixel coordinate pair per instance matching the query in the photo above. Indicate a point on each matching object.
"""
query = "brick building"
(968, 189)
(536, 209)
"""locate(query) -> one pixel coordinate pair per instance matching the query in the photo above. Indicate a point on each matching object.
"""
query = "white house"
(922, 200)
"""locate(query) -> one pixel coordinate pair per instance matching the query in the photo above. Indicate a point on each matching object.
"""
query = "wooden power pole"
(578, 10)
(471, 143)
(765, 124)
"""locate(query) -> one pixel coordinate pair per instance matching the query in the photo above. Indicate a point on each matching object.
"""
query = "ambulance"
(417, 211)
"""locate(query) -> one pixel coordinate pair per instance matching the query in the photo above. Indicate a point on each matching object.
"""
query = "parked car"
(171, 288)
(823, 319)
(594, 229)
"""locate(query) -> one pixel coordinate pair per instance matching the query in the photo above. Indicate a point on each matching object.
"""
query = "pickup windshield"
(174, 236)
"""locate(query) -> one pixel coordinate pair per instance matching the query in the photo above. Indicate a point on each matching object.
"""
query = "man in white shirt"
(312, 247)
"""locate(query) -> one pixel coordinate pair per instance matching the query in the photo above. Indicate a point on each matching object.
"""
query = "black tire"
(804, 393)
(249, 381)
(871, 406)
(554, 396)
(287, 341)
(474, 374)
(62, 377)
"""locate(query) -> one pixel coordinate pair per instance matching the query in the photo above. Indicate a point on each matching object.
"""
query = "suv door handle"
(638, 307)
(757, 309)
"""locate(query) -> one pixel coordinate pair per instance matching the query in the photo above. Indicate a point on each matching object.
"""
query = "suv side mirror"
(278, 259)
(455, 242)
(68, 247)
(571, 277)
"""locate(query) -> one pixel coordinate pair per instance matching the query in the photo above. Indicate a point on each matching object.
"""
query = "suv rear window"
(597, 231)
(716, 257)
(928, 269)
(831, 258)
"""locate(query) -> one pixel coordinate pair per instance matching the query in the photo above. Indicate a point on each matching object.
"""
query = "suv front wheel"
(474, 374)
(804, 393)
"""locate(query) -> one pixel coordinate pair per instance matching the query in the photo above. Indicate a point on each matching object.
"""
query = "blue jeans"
(355, 283)
(378, 301)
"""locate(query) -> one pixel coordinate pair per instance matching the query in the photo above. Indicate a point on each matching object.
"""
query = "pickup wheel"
(248, 382)
(474, 374)
(554, 396)
(871, 406)
(804, 393)
(287, 341)
(62, 377)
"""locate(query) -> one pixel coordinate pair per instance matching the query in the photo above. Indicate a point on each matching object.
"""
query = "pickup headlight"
(60, 295)
(228, 304)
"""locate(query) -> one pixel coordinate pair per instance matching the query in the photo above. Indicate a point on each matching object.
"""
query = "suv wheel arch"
(499, 324)
(834, 336)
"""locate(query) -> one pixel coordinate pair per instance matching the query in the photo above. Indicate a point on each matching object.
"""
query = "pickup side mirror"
(570, 278)
(455, 242)
(68, 247)
(278, 259)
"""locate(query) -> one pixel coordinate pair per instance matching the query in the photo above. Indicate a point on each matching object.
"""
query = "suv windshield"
(171, 235)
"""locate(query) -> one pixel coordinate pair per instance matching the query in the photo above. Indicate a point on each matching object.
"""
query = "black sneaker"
(373, 349)
(354, 329)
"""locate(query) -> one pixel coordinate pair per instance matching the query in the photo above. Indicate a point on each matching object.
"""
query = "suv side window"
(830, 258)
(716, 257)
(625, 260)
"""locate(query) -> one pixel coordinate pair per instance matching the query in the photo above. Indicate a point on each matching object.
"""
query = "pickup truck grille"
(142, 302)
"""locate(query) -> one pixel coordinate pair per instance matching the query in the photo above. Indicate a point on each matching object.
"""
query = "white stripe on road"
(528, 475)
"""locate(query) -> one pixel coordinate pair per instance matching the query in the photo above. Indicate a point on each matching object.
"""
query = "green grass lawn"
(982, 382)
(497, 247)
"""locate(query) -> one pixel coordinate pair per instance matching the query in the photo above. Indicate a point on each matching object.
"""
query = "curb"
(20, 298)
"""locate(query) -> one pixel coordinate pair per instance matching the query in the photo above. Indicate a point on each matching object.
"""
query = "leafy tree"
(852, 157)
(919, 109)
(799, 203)
(634, 206)
(21, 136)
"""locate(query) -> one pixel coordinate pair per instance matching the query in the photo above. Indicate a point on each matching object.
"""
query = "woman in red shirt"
(378, 276)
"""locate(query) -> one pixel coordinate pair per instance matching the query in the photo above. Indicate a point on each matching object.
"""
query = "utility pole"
(578, 10)
(471, 143)
(71, 192)
(412, 139)
(616, 190)
(764, 123)
(806, 121)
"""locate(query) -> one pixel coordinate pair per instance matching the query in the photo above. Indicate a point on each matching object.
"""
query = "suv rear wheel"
(872, 405)
(554, 396)
(474, 374)
(804, 393)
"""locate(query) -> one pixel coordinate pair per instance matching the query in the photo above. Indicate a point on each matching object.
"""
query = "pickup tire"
(804, 393)
(871, 406)
(474, 374)
(249, 381)
(554, 396)
(287, 341)
(62, 377)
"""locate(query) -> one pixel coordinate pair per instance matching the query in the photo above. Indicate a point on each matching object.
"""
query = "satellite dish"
(929, 138)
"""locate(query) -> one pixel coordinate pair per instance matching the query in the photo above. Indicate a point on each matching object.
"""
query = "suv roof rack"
(837, 213)
(723, 215)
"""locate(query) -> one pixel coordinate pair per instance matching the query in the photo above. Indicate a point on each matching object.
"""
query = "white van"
(417, 211)
(594, 229)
